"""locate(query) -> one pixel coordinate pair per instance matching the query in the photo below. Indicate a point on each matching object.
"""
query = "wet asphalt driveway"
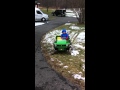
(45, 77)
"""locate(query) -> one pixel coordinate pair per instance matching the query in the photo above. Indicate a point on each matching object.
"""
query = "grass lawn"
(65, 64)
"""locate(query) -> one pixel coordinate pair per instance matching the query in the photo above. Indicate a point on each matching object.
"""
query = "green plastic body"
(61, 44)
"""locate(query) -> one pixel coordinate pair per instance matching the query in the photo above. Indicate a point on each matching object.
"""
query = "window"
(38, 12)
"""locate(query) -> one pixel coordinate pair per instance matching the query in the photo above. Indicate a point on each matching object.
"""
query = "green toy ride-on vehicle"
(62, 44)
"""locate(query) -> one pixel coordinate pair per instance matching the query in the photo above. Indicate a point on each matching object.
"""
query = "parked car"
(40, 16)
(59, 12)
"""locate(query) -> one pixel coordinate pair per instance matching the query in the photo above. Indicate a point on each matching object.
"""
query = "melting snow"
(72, 34)
(79, 46)
(80, 72)
(69, 72)
(77, 76)
(68, 10)
(65, 67)
(50, 37)
(59, 61)
(52, 59)
(61, 64)
(82, 28)
(67, 23)
(75, 27)
(83, 60)
(38, 23)
(71, 13)
(81, 37)
(74, 52)
(83, 67)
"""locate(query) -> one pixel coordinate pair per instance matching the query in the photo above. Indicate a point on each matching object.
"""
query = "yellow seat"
(59, 38)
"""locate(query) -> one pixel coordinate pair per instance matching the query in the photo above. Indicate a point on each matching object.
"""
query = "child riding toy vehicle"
(62, 44)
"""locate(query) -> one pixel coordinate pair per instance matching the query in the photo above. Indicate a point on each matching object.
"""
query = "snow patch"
(69, 72)
(52, 59)
(79, 46)
(75, 27)
(80, 72)
(61, 64)
(81, 37)
(82, 28)
(77, 76)
(65, 67)
(74, 52)
(59, 61)
(38, 23)
(72, 34)
(83, 67)
(83, 60)
(69, 11)
(67, 23)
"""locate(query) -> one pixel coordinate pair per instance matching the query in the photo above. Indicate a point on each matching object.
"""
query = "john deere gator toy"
(62, 44)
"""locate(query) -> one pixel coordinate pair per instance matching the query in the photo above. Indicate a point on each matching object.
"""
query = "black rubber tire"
(43, 19)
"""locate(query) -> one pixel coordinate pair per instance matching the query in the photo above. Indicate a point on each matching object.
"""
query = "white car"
(40, 16)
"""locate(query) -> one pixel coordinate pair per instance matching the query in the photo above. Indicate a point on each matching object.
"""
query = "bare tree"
(78, 7)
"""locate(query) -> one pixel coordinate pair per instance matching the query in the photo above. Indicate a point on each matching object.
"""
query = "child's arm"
(62, 36)
(67, 36)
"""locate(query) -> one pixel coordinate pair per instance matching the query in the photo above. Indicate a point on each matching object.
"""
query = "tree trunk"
(47, 9)
(47, 5)
(82, 16)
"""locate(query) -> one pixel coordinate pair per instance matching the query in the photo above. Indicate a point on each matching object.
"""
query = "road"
(45, 77)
